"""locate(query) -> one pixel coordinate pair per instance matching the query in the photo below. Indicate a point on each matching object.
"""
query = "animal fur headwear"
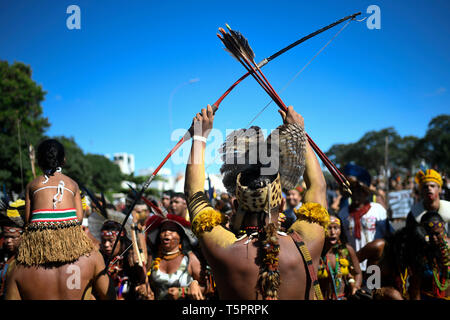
(260, 199)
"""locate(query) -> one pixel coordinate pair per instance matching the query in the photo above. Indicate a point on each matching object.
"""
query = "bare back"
(72, 281)
(39, 198)
(236, 270)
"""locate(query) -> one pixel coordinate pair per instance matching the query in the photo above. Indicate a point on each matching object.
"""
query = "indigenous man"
(263, 264)
(140, 214)
(12, 226)
(128, 276)
(431, 277)
(178, 206)
(165, 201)
(430, 187)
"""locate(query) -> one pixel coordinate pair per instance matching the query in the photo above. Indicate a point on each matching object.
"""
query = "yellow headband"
(335, 220)
(430, 175)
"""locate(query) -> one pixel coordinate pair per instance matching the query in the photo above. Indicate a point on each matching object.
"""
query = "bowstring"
(289, 83)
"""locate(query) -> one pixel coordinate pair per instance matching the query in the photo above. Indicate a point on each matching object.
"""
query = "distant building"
(125, 162)
(164, 173)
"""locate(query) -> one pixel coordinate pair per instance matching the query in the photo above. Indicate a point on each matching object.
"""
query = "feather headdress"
(245, 148)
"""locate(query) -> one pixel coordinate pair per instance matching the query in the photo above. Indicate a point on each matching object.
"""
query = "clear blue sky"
(109, 84)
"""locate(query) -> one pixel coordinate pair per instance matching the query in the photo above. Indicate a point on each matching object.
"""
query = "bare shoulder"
(193, 257)
(70, 182)
(373, 248)
(309, 231)
(35, 183)
(96, 256)
(13, 269)
(350, 249)
(377, 244)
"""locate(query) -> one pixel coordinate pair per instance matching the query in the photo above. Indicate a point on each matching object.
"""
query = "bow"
(236, 44)
(215, 106)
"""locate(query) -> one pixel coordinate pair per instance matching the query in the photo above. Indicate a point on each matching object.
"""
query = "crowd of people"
(258, 240)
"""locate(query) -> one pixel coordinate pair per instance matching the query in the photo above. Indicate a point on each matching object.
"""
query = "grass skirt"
(53, 245)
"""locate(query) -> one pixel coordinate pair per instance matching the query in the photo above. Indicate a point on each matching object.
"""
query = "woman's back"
(53, 213)
(58, 192)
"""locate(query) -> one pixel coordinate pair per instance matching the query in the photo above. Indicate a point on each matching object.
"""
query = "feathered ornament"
(291, 145)
(243, 149)
(238, 46)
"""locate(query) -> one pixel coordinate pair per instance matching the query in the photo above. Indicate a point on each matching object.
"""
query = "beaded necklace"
(403, 279)
(165, 256)
(336, 276)
(439, 287)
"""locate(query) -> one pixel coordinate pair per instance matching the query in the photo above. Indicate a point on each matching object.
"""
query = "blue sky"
(109, 85)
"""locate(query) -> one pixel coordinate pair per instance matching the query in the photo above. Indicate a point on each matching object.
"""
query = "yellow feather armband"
(206, 220)
(344, 266)
(313, 212)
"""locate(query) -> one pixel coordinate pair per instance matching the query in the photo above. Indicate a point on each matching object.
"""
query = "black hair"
(253, 179)
(50, 155)
(167, 193)
(178, 195)
(268, 246)
(408, 247)
(342, 237)
(431, 216)
(110, 206)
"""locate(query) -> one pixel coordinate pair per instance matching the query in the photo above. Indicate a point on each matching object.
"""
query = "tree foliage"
(403, 152)
(20, 108)
(104, 174)
(94, 171)
(435, 146)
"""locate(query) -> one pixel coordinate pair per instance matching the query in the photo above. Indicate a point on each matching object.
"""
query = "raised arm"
(195, 170)
(205, 220)
(312, 217)
(313, 176)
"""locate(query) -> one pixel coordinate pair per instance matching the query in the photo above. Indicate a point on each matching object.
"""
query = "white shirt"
(368, 226)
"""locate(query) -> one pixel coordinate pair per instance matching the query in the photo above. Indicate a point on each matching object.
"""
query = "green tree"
(435, 146)
(369, 151)
(105, 175)
(20, 117)
(77, 166)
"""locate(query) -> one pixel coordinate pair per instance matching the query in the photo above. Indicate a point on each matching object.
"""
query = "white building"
(125, 162)
(175, 182)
